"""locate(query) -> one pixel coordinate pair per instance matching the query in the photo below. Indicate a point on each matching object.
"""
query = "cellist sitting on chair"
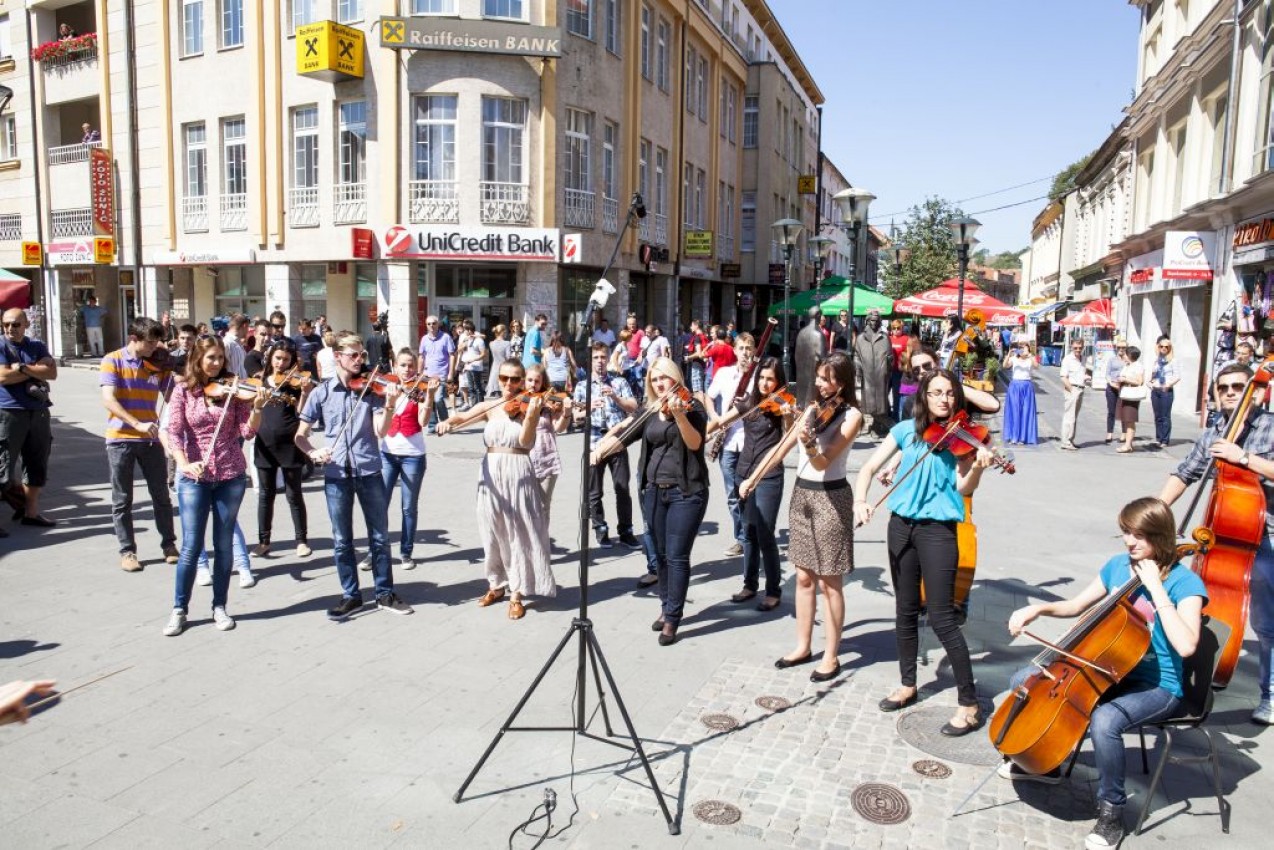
(1171, 600)
(1253, 451)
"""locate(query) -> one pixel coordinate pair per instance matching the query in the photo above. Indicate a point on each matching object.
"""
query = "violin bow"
(234, 389)
(58, 695)
(641, 419)
(937, 444)
(367, 386)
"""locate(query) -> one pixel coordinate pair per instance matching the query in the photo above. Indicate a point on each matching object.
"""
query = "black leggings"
(265, 501)
(928, 549)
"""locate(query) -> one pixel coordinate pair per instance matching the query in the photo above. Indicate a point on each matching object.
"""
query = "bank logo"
(1192, 247)
(571, 248)
(397, 240)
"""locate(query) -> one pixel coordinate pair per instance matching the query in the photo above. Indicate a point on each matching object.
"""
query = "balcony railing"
(234, 212)
(194, 214)
(610, 215)
(661, 229)
(725, 247)
(434, 201)
(505, 203)
(64, 53)
(303, 207)
(10, 227)
(646, 229)
(67, 154)
(67, 223)
(580, 210)
(349, 203)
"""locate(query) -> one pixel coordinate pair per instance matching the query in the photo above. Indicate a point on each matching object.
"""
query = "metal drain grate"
(932, 769)
(773, 703)
(717, 812)
(720, 722)
(880, 803)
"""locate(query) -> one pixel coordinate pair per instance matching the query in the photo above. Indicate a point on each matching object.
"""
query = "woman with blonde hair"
(1164, 375)
(673, 482)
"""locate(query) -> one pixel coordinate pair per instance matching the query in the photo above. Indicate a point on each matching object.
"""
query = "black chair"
(1197, 673)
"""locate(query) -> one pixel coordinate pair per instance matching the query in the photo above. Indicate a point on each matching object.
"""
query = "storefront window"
(365, 293)
(476, 281)
(574, 291)
(313, 290)
(240, 289)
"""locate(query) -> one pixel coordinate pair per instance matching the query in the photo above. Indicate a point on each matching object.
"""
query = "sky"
(961, 99)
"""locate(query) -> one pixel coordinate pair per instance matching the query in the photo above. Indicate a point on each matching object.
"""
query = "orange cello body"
(966, 565)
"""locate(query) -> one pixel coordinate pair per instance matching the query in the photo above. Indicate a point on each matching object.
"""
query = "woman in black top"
(763, 428)
(276, 450)
(673, 483)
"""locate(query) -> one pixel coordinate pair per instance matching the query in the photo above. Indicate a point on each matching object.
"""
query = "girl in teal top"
(924, 511)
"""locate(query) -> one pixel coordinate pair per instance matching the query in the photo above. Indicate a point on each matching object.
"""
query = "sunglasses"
(508, 378)
(357, 355)
(926, 367)
(1236, 388)
(278, 327)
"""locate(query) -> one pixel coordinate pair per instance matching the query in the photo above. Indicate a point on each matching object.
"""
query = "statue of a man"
(873, 355)
(811, 344)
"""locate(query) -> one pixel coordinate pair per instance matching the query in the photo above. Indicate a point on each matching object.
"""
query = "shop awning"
(1045, 313)
(941, 301)
(15, 291)
(6, 275)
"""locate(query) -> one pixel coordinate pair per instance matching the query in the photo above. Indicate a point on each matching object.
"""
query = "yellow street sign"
(103, 249)
(806, 184)
(329, 51)
(32, 254)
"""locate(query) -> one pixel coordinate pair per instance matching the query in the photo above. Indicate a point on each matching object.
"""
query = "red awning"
(15, 293)
(941, 301)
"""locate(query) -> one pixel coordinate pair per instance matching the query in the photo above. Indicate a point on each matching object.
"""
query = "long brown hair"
(1152, 519)
(842, 369)
(920, 410)
(195, 377)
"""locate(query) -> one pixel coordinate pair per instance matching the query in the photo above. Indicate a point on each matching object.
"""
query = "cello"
(1046, 717)
(1236, 514)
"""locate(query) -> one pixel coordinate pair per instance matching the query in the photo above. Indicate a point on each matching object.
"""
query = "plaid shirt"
(1257, 438)
(609, 415)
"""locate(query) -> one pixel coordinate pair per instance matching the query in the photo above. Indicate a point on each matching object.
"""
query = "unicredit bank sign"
(508, 244)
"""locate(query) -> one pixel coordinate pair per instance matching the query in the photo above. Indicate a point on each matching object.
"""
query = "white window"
(191, 27)
(503, 9)
(305, 144)
(433, 7)
(663, 39)
(196, 139)
(613, 12)
(722, 227)
(305, 12)
(747, 222)
(6, 46)
(349, 11)
(234, 156)
(751, 120)
(661, 181)
(643, 168)
(436, 137)
(692, 65)
(610, 137)
(645, 41)
(579, 150)
(352, 142)
(8, 138)
(231, 23)
(503, 149)
(579, 17)
(703, 89)
(701, 198)
(1177, 143)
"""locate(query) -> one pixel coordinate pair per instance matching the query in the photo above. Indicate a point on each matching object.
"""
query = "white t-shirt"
(656, 348)
(607, 336)
(721, 394)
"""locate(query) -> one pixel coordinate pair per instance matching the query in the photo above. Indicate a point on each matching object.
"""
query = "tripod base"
(590, 657)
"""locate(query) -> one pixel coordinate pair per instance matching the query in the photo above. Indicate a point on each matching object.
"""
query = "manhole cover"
(717, 812)
(920, 728)
(720, 722)
(773, 703)
(932, 769)
(880, 803)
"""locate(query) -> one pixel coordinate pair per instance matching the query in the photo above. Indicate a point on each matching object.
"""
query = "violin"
(962, 438)
(778, 404)
(552, 399)
(246, 389)
(374, 383)
(681, 393)
(159, 362)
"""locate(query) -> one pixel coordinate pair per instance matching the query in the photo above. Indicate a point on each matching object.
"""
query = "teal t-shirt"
(929, 492)
(1162, 664)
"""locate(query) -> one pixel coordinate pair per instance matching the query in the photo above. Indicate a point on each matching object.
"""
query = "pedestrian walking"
(1074, 379)
(402, 454)
(1020, 425)
(1132, 391)
(1114, 368)
(275, 454)
(501, 350)
(1164, 375)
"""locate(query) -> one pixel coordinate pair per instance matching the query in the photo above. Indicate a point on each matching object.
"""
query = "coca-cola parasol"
(941, 301)
(1096, 314)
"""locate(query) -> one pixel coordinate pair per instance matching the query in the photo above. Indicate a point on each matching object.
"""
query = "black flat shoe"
(657, 626)
(826, 677)
(888, 704)
(743, 595)
(784, 663)
(959, 731)
(666, 639)
(38, 521)
(767, 604)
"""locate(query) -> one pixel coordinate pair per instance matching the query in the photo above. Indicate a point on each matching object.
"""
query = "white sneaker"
(303, 550)
(176, 623)
(247, 579)
(406, 563)
(1263, 714)
(221, 619)
(366, 563)
(203, 576)
(1008, 770)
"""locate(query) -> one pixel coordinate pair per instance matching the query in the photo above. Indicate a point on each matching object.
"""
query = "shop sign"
(1253, 233)
(32, 254)
(363, 239)
(432, 242)
(220, 257)
(469, 36)
(698, 243)
(572, 248)
(745, 301)
(806, 184)
(1187, 255)
(102, 189)
(103, 249)
(1145, 273)
(776, 274)
(329, 51)
(731, 271)
(76, 252)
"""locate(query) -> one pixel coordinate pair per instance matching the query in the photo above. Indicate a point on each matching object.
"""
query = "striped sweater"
(137, 387)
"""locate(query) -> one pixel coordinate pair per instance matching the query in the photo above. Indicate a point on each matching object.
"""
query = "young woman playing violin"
(512, 514)
(207, 421)
(1170, 599)
(820, 517)
(402, 450)
(672, 481)
(554, 418)
(276, 449)
(767, 414)
(926, 503)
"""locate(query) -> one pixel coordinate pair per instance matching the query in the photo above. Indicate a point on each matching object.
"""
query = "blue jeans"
(439, 413)
(409, 472)
(729, 463)
(197, 501)
(1262, 610)
(672, 522)
(1124, 707)
(241, 560)
(373, 497)
(1161, 403)
(760, 517)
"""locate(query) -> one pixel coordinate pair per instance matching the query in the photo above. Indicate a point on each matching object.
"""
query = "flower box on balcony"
(66, 50)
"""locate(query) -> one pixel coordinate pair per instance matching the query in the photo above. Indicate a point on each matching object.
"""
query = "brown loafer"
(493, 595)
(516, 609)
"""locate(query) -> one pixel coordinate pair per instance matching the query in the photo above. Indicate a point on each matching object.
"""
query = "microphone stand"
(589, 651)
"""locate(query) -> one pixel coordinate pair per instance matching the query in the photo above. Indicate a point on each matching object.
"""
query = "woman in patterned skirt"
(821, 516)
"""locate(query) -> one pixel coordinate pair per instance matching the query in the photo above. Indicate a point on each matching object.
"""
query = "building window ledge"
(7, 64)
(10, 165)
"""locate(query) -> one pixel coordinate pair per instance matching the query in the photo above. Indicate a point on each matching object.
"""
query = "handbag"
(1136, 392)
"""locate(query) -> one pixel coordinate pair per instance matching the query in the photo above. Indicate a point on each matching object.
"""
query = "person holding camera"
(26, 367)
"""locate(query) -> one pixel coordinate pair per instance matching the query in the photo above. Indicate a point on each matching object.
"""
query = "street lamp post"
(962, 230)
(787, 231)
(818, 247)
(852, 204)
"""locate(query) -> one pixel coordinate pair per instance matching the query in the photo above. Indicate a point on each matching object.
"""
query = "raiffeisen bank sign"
(429, 33)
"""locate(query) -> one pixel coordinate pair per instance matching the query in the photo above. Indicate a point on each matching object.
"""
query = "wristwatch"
(1243, 459)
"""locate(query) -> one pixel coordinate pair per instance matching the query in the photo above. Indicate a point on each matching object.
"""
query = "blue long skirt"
(1019, 414)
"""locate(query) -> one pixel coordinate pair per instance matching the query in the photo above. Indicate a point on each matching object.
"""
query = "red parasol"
(941, 301)
(1096, 314)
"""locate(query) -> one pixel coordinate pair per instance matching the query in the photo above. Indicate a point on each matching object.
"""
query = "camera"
(381, 325)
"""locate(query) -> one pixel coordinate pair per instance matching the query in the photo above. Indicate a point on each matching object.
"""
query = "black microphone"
(638, 205)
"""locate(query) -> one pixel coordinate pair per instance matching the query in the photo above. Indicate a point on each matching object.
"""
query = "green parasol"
(835, 297)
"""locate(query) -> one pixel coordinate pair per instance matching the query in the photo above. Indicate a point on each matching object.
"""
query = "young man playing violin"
(355, 423)
(612, 401)
(1170, 599)
(1255, 452)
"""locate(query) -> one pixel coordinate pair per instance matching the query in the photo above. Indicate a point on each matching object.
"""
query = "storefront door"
(127, 306)
(485, 313)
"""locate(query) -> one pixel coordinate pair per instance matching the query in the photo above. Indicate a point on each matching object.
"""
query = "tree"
(929, 249)
(1064, 181)
(1007, 260)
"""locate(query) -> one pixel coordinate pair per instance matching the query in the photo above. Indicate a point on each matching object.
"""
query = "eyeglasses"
(924, 367)
(941, 394)
(357, 355)
(504, 379)
(17, 324)
(431, 323)
(278, 327)
(1165, 346)
(1231, 388)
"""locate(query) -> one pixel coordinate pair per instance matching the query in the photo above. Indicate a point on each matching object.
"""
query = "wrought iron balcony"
(303, 207)
(434, 201)
(610, 215)
(194, 214)
(661, 229)
(349, 202)
(505, 203)
(67, 154)
(67, 223)
(580, 209)
(234, 212)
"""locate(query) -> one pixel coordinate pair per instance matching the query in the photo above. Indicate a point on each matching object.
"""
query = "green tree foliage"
(1064, 181)
(929, 249)
(1006, 260)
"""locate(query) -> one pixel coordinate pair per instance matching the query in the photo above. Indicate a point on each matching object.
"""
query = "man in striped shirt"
(131, 390)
